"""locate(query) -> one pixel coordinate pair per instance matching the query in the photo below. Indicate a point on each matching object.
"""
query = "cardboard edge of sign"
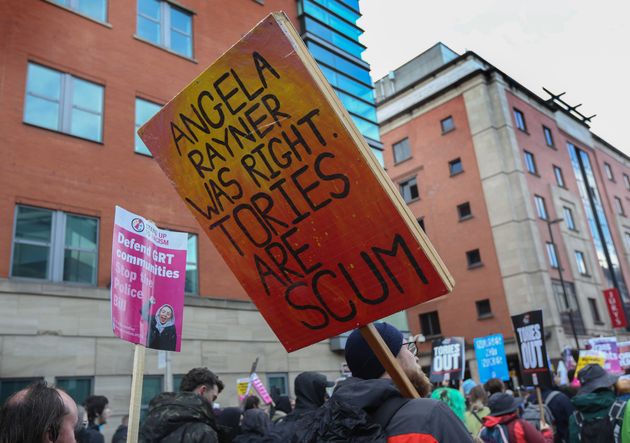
(387, 185)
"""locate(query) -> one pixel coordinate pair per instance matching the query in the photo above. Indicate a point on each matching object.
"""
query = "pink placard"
(260, 388)
(147, 282)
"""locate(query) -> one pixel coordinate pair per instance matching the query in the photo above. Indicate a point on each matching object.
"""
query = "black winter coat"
(167, 340)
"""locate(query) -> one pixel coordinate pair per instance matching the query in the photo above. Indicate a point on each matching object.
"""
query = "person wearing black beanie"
(370, 388)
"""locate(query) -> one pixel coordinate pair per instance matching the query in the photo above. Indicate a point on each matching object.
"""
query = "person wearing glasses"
(371, 389)
(185, 416)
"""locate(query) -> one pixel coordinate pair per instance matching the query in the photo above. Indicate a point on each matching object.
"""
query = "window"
(430, 324)
(484, 309)
(192, 274)
(530, 162)
(447, 124)
(144, 111)
(455, 166)
(473, 258)
(151, 386)
(79, 388)
(553, 257)
(568, 218)
(177, 381)
(619, 206)
(559, 177)
(541, 208)
(568, 306)
(548, 136)
(54, 245)
(64, 103)
(520, 120)
(402, 150)
(409, 190)
(609, 172)
(278, 384)
(421, 223)
(464, 211)
(626, 181)
(628, 239)
(597, 319)
(581, 262)
(10, 386)
(166, 25)
(96, 9)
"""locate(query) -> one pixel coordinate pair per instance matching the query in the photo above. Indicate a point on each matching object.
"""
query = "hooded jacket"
(255, 426)
(519, 431)
(162, 336)
(416, 421)
(592, 406)
(183, 417)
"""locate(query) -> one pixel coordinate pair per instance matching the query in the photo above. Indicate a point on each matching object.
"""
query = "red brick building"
(487, 167)
(77, 80)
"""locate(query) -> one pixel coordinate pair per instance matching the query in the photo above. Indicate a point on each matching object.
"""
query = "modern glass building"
(330, 31)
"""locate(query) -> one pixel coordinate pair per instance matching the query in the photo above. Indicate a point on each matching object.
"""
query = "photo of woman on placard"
(162, 334)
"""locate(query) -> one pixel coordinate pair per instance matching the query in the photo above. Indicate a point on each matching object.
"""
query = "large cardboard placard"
(448, 361)
(490, 356)
(148, 279)
(624, 354)
(530, 336)
(271, 165)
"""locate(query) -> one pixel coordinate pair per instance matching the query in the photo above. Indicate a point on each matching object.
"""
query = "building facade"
(489, 169)
(78, 79)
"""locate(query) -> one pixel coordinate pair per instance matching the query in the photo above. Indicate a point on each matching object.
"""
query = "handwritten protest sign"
(607, 346)
(449, 359)
(491, 360)
(242, 387)
(269, 162)
(531, 347)
(147, 282)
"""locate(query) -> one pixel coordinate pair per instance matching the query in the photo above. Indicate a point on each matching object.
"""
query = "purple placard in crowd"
(147, 282)
(608, 345)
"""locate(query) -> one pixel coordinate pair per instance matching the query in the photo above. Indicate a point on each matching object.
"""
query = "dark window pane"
(78, 388)
(30, 261)
(79, 266)
(10, 387)
(81, 232)
(483, 308)
(463, 210)
(151, 386)
(33, 224)
(455, 166)
(473, 257)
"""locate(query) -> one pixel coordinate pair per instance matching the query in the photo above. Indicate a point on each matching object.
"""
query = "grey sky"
(579, 46)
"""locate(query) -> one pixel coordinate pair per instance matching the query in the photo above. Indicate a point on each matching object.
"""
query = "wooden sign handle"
(389, 362)
(136, 394)
(541, 405)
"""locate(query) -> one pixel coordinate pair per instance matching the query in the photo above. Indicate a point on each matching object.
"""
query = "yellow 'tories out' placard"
(271, 165)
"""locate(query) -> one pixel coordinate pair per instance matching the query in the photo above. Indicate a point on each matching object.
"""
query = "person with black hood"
(186, 416)
(599, 415)
(254, 427)
(229, 420)
(281, 408)
(310, 394)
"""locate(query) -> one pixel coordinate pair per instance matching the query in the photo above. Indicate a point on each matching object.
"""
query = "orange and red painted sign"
(270, 164)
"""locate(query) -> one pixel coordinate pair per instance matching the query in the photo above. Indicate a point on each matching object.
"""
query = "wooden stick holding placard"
(136, 394)
(389, 362)
(541, 405)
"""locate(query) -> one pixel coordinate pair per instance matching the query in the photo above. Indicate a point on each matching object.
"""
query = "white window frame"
(541, 207)
(406, 147)
(580, 260)
(64, 116)
(56, 247)
(74, 6)
(165, 27)
(609, 172)
(406, 184)
(557, 172)
(530, 163)
(552, 254)
(196, 261)
(619, 206)
(519, 118)
(568, 217)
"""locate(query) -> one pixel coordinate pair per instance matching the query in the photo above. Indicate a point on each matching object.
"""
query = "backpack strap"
(579, 421)
(386, 411)
(550, 397)
(476, 416)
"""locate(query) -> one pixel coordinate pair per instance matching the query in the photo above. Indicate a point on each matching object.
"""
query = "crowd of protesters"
(367, 407)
